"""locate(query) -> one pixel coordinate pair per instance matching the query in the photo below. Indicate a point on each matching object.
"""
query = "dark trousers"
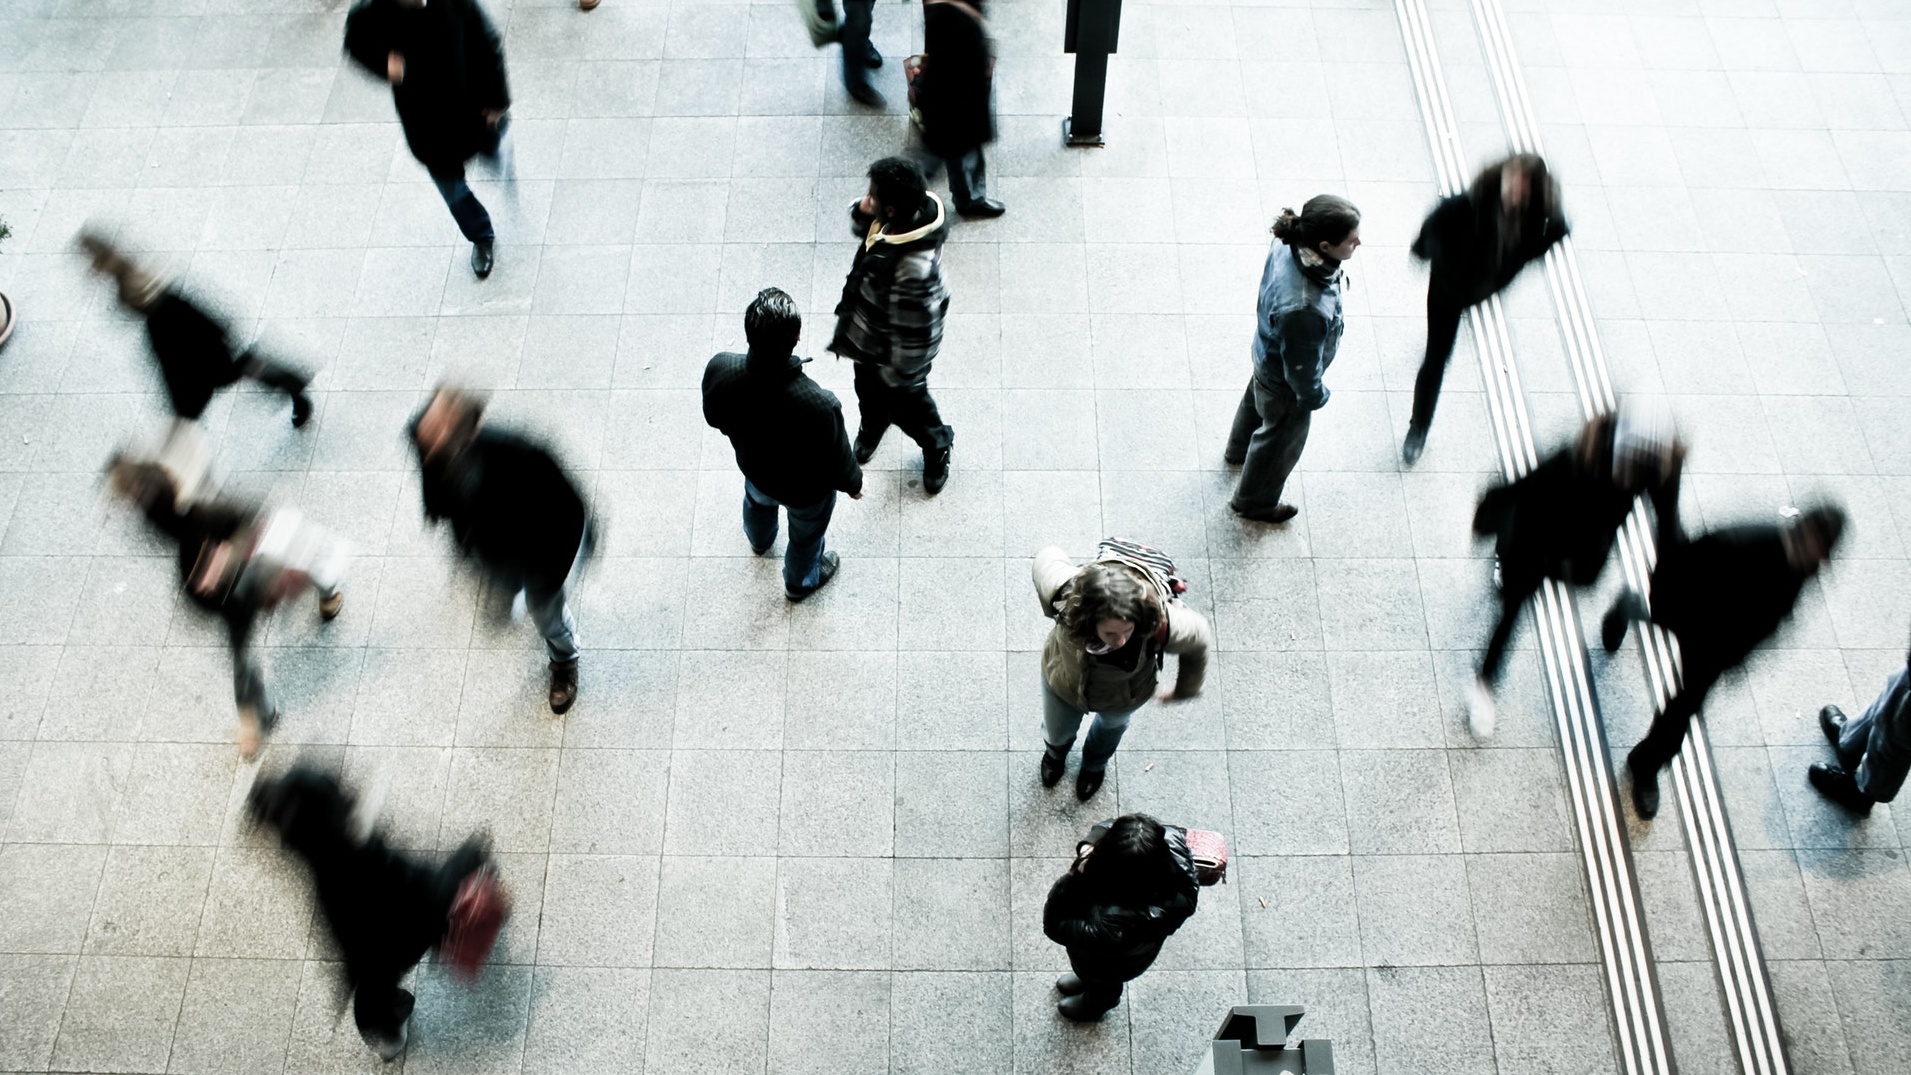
(1270, 431)
(1443, 330)
(1698, 671)
(466, 209)
(968, 177)
(857, 16)
(380, 1008)
(1514, 593)
(909, 408)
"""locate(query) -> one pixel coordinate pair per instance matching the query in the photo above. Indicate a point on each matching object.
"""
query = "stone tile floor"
(810, 838)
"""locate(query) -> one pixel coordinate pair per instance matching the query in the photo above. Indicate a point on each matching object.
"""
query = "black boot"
(1088, 782)
(1831, 720)
(866, 446)
(1645, 788)
(1052, 764)
(1840, 787)
(935, 470)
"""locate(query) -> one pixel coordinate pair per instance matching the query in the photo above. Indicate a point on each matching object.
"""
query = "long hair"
(1324, 218)
(1107, 592)
(1131, 865)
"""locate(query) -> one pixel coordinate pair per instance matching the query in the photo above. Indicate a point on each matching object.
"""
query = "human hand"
(1169, 696)
(858, 494)
(395, 67)
(492, 116)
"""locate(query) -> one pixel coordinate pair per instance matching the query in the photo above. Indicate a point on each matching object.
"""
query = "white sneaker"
(517, 607)
(1480, 711)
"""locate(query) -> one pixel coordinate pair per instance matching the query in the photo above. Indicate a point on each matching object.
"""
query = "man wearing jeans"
(513, 510)
(789, 437)
(446, 70)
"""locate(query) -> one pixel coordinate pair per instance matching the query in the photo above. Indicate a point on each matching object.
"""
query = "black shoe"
(1052, 769)
(301, 410)
(871, 57)
(1275, 515)
(1087, 783)
(1839, 786)
(1645, 790)
(1415, 444)
(563, 686)
(1070, 985)
(1831, 720)
(482, 258)
(831, 562)
(1612, 630)
(935, 470)
(986, 207)
(866, 447)
(867, 95)
(1076, 1010)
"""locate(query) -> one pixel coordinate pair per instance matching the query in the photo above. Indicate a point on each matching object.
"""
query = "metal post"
(1089, 32)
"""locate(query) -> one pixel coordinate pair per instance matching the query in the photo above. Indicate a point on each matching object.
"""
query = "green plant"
(4, 230)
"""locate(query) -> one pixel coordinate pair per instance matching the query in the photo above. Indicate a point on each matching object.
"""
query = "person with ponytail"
(1298, 330)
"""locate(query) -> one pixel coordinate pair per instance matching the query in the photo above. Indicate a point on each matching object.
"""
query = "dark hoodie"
(894, 300)
(454, 72)
(787, 430)
(1473, 250)
(511, 505)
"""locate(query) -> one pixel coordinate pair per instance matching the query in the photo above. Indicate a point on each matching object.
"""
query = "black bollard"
(1090, 34)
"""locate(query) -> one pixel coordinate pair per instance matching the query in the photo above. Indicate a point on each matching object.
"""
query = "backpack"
(1151, 562)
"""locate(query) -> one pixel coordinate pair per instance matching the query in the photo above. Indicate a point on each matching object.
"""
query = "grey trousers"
(1876, 748)
(1270, 431)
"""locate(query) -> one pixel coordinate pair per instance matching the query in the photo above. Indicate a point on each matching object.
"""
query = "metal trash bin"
(1253, 1041)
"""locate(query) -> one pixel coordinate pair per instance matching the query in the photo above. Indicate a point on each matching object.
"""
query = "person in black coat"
(1560, 519)
(1475, 243)
(789, 438)
(385, 909)
(1721, 595)
(1122, 897)
(196, 357)
(512, 509)
(446, 69)
(954, 99)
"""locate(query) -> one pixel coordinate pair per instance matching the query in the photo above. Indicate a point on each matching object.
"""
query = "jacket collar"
(760, 364)
(876, 233)
(1315, 267)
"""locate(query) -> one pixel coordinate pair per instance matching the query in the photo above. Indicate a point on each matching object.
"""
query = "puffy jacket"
(1299, 323)
(1126, 679)
(1109, 942)
(894, 299)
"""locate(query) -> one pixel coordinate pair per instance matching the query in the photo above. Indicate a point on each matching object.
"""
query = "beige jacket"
(1065, 663)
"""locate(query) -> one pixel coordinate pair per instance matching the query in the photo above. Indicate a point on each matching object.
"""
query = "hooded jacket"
(1127, 678)
(787, 430)
(1299, 322)
(1472, 255)
(510, 505)
(894, 299)
(454, 72)
(1725, 592)
(1111, 943)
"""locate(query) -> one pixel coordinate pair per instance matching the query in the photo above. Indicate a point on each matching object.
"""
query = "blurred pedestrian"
(237, 561)
(789, 438)
(385, 909)
(1721, 595)
(514, 511)
(446, 69)
(890, 318)
(1476, 242)
(1116, 619)
(195, 355)
(859, 55)
(1874, 751)
(1297, 333)
(1123, 896)
(953, 94)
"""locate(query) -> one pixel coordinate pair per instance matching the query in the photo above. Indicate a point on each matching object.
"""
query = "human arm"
(484, 57)
(849, 473)
(1436, 239)
(1052, 568)
(1073, 921)
(368, 40)
(1665, 501)
(1303, 334)
(1189, 639)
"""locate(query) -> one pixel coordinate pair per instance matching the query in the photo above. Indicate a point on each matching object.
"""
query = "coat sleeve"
(1303, 356)
(1436, 234)
(1071, 922)
(366, 40)
(484, 54)
(1052, 568)
(1189, 639)
(849, 473)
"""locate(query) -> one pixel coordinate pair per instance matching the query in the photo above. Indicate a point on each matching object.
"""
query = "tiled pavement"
(810, 839)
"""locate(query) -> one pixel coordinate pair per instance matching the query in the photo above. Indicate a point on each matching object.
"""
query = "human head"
(1637, 444)
(772, 323)
(1106, 606)
(1811, 536)
(896, 188)
(447, 424)
(1131, 863)
(1327, 224)
(140, 481)
(138, 287)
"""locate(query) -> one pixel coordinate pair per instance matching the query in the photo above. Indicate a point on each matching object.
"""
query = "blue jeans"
(1061, 720)
(803, 560)
(466, 209)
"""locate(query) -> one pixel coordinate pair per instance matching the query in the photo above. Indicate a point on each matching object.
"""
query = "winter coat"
(1110, 943)
(1298, 323)
(787, 430)
(1125, 679)
(1560, 519)
(894, 300)
(510, 505)
(1725, 592)
(454, 72)
(195, 357)
(1472, 259)
(954, 92)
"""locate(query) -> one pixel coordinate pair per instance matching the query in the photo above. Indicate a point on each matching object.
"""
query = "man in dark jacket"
(195, 356)
(954, 97)
(789, 439)
(890, 318)
(512, 509)
(446, 70)
(1476, 242)
(1722, 595)
(1874, 751)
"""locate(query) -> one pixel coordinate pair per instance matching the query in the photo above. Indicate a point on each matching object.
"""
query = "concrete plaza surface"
(791, 839)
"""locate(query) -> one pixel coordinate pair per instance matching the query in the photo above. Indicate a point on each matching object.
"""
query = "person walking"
(1874, 751)
(789, 438)
(1296, 335)
(1722, 595)
(446, 69)
(195, 354)
(1121, 898)
(513, 510)
(889, 321)
(859, 55)
(954, 101)
(1116, 619)
(1475, 243)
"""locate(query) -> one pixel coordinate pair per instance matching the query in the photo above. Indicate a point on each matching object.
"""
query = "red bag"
(1209, 850)
(478, 912)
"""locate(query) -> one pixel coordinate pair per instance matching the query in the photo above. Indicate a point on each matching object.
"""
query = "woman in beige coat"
(1115, 620)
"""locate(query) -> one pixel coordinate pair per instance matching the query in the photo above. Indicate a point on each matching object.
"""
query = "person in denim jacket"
(1298, 333)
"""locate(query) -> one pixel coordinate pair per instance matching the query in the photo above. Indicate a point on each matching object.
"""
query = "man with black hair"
(1722, 595)
(890, 318)
(789, 438)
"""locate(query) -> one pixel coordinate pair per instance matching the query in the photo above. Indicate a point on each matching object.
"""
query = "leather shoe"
(831, 562)
(1831, 720)
(1275, 515)
(985, 207)
(1415, 444)
(1070, 985)
(866, 447)
(935, 470)
(1076, 1010)
(867, 95)
(1052, 769)
(871, 57)
(1840, 787)
(563, 685)
(301, 410)
(482, 258)
(1645, 790)
(1087, 783)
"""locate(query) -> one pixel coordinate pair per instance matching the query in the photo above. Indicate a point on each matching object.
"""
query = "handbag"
(477, 915)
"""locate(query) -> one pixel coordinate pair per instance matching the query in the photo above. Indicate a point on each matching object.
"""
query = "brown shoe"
(330, 604)
(586, 5)
(563, 686)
